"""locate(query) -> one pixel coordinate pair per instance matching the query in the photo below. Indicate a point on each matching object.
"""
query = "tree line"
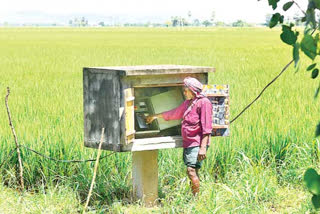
(174, 21)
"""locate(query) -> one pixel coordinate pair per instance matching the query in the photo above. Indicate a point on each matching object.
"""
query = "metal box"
(117, 98)
(219, 97)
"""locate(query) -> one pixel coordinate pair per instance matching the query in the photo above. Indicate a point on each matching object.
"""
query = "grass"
(53, 200)
(258, 169)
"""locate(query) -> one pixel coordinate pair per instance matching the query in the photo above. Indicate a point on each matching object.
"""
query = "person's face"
(188, 93)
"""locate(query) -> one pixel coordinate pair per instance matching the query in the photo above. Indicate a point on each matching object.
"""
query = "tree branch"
(299, 7)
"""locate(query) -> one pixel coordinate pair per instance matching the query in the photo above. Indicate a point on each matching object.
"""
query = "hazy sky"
(225, 10)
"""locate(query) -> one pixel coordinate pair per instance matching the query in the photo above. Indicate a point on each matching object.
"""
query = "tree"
(101, 24)
(213, 16)
(183, 22)
(175, 21)
(239, 23)
(196, 22)
(308, 44)
(206, 23)
(189, 16)
(296, 18)
(83, 22)
(76, 22)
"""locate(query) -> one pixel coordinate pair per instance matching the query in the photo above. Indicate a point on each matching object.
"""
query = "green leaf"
(317, 38)
(310, 175)
(287, 5)
(281, 19)
(309, 46)
(308, 30)
(310, 67)
(314, 187)
(296, 56)
(311, 18)
(298, 67)
(273, 3)
(274, 20)
(316, 201)
(318, 130)
(304, 19)
(315, 97)
(315, 73)
(316, 3)
(312, 181)
(288, 36)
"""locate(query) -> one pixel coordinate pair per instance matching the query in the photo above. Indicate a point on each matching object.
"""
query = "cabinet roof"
(153, 69)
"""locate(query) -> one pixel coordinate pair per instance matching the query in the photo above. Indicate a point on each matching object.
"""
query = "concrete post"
(145, 176)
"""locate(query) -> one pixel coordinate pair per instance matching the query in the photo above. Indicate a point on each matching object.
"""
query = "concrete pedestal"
(145, 176)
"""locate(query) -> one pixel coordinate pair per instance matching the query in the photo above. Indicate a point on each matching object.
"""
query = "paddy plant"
(267, 152)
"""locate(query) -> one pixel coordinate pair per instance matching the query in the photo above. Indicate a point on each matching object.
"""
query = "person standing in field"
(196, 127)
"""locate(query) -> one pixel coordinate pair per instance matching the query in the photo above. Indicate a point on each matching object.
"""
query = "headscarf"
(194, 85)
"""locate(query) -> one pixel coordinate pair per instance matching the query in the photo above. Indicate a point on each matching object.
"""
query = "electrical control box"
(119, 98)
(155, 100)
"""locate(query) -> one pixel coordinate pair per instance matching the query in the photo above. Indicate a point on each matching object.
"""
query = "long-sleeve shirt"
(197, 120)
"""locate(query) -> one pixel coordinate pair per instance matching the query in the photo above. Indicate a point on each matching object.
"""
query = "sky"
(252, 11)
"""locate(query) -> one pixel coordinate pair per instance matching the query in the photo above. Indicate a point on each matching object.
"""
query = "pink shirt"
(197, 120)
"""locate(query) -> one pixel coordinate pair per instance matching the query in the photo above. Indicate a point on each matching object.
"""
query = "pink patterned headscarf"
(194, 85)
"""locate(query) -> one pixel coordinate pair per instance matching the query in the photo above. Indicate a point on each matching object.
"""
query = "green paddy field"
(258, 169)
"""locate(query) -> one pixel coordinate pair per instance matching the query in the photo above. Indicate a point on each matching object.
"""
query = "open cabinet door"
(129, 115)
(219, 97)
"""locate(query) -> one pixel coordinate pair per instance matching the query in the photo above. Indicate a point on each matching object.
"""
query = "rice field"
(258, 169)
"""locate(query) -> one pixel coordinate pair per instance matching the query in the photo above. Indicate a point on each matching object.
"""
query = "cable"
(285, 68)
(90, 160)
(64, 161)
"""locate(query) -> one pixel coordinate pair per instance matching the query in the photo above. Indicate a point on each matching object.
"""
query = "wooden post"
(145, 176)
(94, 172)
(15, 140)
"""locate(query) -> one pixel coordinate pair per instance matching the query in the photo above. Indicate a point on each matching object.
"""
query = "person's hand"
(202, 153)
(150, 118)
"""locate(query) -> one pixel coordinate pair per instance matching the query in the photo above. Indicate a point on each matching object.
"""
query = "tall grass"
(269, 148)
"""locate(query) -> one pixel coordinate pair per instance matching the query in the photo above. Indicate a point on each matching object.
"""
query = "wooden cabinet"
(117, 98)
